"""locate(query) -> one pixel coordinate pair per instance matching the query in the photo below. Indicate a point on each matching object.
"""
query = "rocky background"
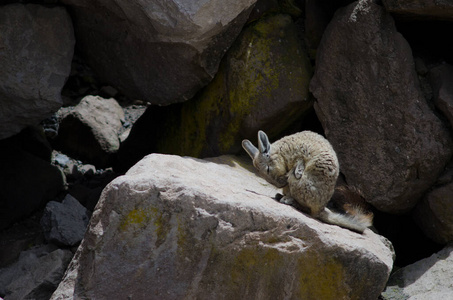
(89, 88)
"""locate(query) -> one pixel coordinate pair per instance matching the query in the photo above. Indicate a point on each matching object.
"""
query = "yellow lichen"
(266, 63)
(267, 270)
(182, 237)
(136, 217)
(254, 264)
(321, 278)
(140, 218)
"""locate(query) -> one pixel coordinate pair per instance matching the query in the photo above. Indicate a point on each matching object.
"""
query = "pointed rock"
(389, 142)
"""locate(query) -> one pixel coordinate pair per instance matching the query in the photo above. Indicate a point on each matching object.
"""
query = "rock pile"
(372, 76)
(264, 76)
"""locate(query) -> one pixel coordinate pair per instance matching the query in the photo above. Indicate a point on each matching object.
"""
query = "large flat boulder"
(183, 228)
(37, 45)
(389, 142)
(159, 51)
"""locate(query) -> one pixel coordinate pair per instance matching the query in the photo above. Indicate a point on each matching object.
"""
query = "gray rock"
(159, 51)
(35, 275)
(61, 159)
(262, 83)
(424, 10)
(37, 45)
(71, 171)
(441, 79)
(18, 238)
(434, 214)
(429, 278)
(183, 228)
(88, 170)
(64, 223)
(317, 16)
(389, 142)
(110, 91)
(90, 131)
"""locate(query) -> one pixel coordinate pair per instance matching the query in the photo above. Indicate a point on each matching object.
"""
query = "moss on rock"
(262, 83)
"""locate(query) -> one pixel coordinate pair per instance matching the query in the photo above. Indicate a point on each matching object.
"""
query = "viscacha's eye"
(267, 169)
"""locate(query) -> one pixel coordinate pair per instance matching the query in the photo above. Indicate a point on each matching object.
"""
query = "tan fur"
(349, 200)
(306, 166)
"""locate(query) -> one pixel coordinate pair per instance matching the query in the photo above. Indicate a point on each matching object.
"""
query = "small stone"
(90, 131)
(61, 159)
(64, 223)
(87, 170)
(109, 91)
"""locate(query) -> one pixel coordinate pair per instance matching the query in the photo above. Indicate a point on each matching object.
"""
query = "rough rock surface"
(429, 278)
(441, 78)
(27, 179)
(158, 51)
(317, 16)
(90, 130)
(65, 223)
(35, 275)
(18, 238)
(184, 228)
(262, 84)
(85, 182)
(389, 143)
(37, 44)
(434, 214)
(426, 9)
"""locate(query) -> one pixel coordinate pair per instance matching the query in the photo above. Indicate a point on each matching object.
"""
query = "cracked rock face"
(184, 228)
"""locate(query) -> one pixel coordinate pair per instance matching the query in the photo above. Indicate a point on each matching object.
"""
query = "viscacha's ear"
(263, 143)
(249, 148)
